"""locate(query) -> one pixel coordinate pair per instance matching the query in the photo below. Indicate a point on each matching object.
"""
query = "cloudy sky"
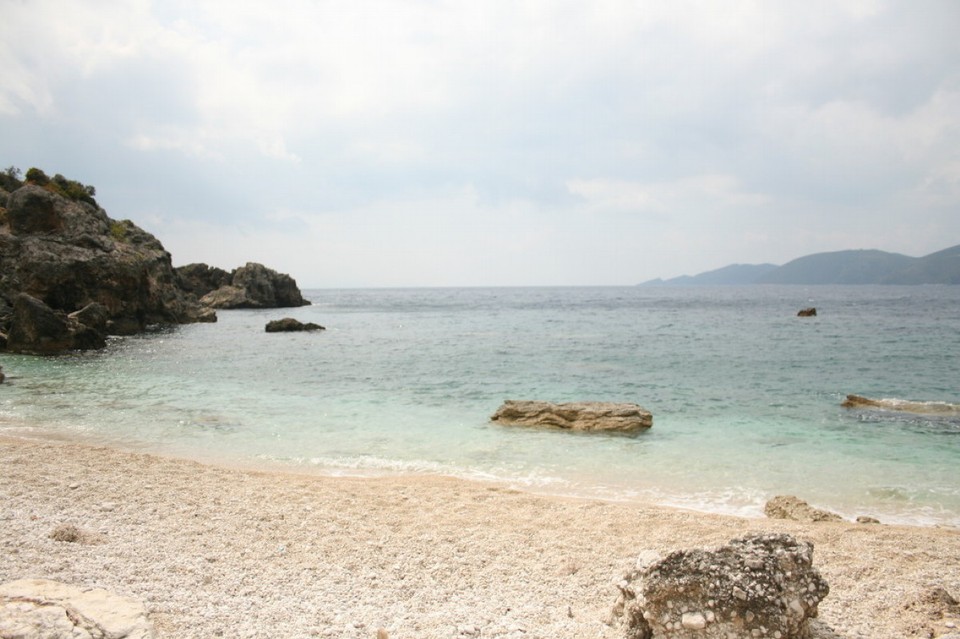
(462, 143)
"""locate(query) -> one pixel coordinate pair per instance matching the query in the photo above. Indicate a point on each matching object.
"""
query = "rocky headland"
(70, 275)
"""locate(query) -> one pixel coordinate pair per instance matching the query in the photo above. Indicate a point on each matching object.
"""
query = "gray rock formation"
(250, 286)
(44, 609)
(69, 254)
(790, 507)
(200, 278)
(755, 586)
(289, 325)
(580, 416)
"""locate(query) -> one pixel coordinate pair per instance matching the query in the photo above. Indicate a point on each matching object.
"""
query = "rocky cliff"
(70, 275)
(61, 255)
(67, 254)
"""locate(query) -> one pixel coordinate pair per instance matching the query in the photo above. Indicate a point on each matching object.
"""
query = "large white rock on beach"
(581, 416)
(761, 585)
(45, 609)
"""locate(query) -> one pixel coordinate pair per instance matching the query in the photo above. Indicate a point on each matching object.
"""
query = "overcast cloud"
(442, 143)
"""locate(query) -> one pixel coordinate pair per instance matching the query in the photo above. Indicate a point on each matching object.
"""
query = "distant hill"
(839, 267)
(733, 274)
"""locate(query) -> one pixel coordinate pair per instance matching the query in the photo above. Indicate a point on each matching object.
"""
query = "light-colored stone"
(790, 507)
(45, 609)
(579, 416)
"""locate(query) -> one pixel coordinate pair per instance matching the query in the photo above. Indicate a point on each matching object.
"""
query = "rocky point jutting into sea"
(70, 274)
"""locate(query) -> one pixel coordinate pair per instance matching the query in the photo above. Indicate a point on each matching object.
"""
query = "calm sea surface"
(745, 395)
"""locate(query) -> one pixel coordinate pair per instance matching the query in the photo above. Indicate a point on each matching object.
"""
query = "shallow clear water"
(745, 395)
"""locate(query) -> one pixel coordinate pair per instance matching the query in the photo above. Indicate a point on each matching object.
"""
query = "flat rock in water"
(902, 405)
(580, 416)
(44, 609)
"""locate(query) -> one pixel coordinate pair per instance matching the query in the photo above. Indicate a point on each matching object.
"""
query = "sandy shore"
(222, 552)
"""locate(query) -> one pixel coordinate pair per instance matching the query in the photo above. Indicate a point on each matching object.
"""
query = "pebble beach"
(217, 551)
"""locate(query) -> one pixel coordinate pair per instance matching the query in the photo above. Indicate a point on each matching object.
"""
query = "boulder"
(37, 329)
(32, 209)
(758, 585)
(807, 312)
(580, 416)
(44, 609)
(250, 286)
(790, 507)
(288, 324)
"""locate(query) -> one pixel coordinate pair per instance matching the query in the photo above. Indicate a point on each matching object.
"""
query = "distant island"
(839, 267)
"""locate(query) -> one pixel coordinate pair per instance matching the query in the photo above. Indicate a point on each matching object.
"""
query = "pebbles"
(218, 552)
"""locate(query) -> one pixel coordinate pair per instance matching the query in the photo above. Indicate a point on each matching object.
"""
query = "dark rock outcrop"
(290, 325)
(200, 278)
(581, 416)
(250, 286)
(758, 585)
(68, 254)
(807, 312)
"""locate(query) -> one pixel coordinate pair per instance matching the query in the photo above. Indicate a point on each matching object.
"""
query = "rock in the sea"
(807, 312)
(902, 406)
(581, 416)
(250, 286)
(44, 609)
(790, 507)
(288, 325)
(755, 586)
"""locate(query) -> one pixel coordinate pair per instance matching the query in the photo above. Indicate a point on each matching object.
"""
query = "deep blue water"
(745, 395)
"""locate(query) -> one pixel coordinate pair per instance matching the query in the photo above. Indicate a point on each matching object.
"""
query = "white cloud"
(442, 141)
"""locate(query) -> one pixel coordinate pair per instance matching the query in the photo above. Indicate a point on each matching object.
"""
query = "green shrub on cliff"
(119, 230)
(37, 176)
(10, 179)
(70, 189)
(74, 190)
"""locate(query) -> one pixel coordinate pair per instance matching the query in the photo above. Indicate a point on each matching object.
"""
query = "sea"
(745, 395)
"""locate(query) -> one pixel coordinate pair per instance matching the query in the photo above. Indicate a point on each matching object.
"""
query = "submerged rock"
(580, 416)
(902, 406)
(758, 585)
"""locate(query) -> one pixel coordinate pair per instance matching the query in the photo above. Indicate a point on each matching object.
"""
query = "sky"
(373, 143)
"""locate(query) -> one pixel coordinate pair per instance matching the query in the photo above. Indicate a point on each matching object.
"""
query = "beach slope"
(214, 551)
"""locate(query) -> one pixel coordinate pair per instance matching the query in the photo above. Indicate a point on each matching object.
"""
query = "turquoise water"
(745, 395)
